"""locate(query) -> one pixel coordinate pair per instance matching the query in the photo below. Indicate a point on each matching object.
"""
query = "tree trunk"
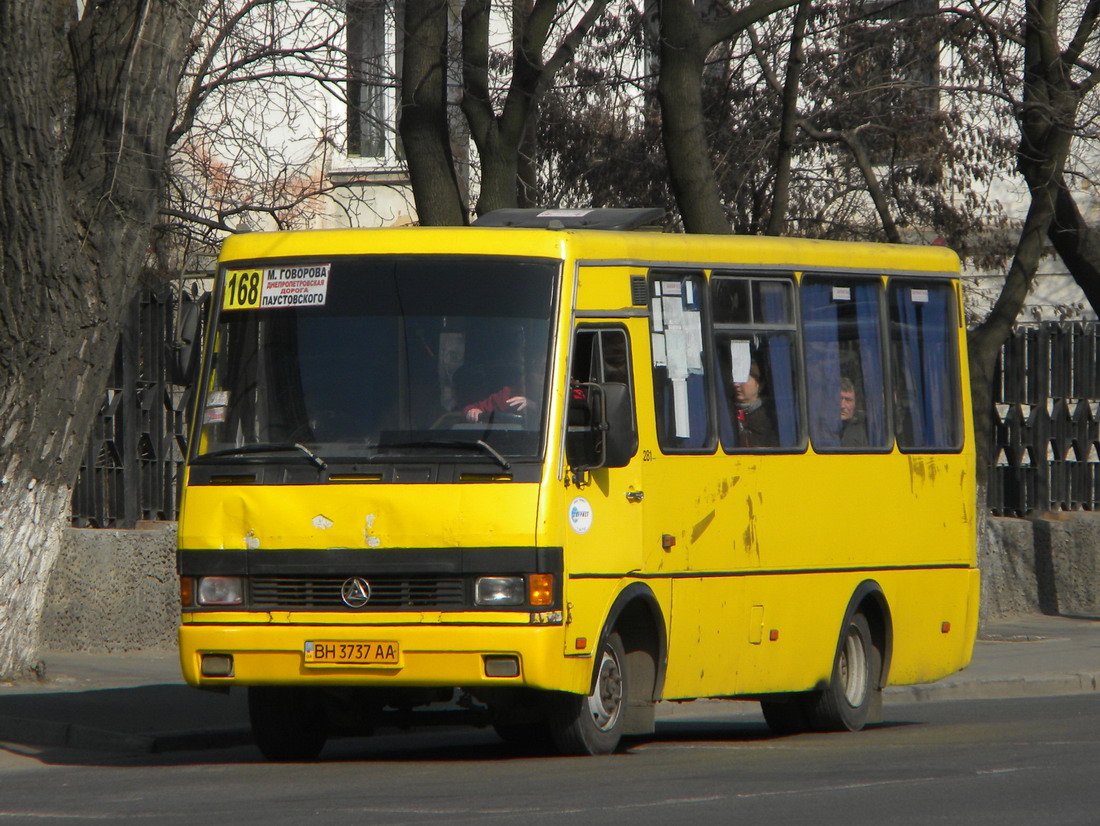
(781, 192)
(86, 118)
(1077, 244)
(424, 130)
(686, 42)
(680, 90)
(1046, 119)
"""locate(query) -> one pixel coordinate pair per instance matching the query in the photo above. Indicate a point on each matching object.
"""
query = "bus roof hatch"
(607, 219)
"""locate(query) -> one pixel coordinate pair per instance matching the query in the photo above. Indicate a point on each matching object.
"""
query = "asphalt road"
(999, 762)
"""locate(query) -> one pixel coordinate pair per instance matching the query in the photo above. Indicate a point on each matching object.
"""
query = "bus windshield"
(375, 358)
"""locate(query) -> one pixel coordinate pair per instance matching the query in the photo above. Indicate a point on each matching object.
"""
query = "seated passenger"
(853, 428)
(754, 424)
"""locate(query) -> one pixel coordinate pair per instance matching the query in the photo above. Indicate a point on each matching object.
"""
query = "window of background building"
(374, 70)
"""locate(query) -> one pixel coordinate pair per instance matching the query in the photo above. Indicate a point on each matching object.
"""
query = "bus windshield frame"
(389, 358)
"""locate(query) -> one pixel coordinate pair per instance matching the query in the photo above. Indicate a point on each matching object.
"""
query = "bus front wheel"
(854, 687)
(288, 723)
(594, 724)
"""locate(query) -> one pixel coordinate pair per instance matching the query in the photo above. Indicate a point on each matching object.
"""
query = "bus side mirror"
(600, 429)
(621, 438)
(185, 356)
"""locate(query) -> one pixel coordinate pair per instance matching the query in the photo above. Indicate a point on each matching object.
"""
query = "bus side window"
(601, 355)
(923, 340)
(845, 372)
(681, 396)
(756, 362)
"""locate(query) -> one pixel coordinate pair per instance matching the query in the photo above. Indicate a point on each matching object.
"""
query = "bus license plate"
(352, 652)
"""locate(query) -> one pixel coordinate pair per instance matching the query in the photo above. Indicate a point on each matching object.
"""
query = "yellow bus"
(552, 469)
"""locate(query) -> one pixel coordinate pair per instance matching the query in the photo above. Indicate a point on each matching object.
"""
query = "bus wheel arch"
(865, 639)
(627, 679)
(853, 696)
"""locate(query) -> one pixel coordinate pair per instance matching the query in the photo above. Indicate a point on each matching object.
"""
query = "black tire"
(594, 724)
(854, 687)
(288, 723)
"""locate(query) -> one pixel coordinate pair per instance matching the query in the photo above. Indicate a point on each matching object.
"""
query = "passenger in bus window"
(754, 423)
(502, 401)
(479, 382)
(853, 428)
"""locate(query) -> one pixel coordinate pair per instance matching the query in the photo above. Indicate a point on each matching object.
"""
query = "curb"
(1007, 688)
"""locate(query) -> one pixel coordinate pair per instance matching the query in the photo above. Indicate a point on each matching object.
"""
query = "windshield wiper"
(264, 447)
(480, 444)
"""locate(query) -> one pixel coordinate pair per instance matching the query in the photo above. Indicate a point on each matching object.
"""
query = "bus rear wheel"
(289, 723)
(594, 724)
(854, 687)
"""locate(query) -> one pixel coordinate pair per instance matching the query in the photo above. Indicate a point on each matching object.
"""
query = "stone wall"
(1047, 565)
(118, 591)
(113, 590)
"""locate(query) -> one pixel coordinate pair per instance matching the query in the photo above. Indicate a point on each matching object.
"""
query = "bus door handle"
(635, 495)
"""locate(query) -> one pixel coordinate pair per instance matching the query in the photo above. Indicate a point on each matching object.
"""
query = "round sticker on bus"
(580, 515)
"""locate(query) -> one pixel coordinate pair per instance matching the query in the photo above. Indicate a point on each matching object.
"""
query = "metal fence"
(1046, 427)
(1045, 434)
(134, 457)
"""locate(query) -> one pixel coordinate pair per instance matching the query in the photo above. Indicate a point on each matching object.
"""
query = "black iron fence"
(1046, 420)
(134, 457)
(1045, 434)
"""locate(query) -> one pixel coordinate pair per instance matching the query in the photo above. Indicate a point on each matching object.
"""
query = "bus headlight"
(500, 590)
(220, 590)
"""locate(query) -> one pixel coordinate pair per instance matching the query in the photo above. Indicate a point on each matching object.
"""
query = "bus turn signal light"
(187, 592)
(540, 589)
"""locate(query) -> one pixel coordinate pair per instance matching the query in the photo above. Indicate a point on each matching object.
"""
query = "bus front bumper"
(381, 655)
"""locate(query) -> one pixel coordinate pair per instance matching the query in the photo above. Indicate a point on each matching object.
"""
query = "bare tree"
(255, 124)
(500, 136)
(1059, 79)
(689, 32)
(424, 128)
(87, 106)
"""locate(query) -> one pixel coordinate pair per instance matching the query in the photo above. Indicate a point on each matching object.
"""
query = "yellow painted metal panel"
(369, 516)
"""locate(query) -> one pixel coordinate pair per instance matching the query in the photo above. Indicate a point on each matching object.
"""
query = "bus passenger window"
(679, 363)
(845, 376)
(757, 355)
(923, 339)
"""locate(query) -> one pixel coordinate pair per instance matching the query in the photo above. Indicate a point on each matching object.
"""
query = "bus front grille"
(324, 593)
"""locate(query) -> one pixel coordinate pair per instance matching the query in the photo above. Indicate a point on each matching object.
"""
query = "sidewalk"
(138, 703)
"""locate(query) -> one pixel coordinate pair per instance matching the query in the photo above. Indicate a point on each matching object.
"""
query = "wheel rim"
(853, 669)
(606, 702)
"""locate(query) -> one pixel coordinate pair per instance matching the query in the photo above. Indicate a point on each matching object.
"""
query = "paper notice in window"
(680, 409)
(740, 361)
(660, 359)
